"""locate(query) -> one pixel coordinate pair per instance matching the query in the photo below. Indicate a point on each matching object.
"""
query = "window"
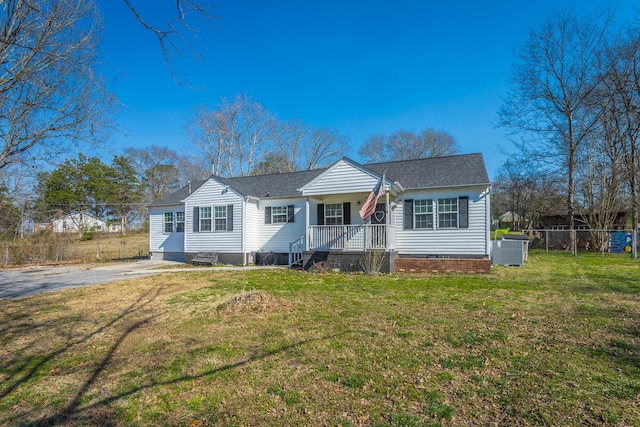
(179, 222)
(278, 214)
(168, 222)
(423, 213)
(205, 219)
(220, 218)
(333, 214)
(448, 212)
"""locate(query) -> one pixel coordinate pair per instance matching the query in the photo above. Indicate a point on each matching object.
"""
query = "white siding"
(252, 224)
(158, 240)
(342, 178)
(276, 237)
(211, 194)
(467, 241)
(73, 223)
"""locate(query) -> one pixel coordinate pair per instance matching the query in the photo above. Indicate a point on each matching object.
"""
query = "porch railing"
(296, 251)
(351, 237)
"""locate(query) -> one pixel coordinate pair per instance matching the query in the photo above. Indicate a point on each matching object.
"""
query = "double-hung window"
(448, 212)
(209, 218)
(423, 213)
(333, 214)
(179, 222)
(168, 222)
(279, 214)
(220, 218)
(205, 218)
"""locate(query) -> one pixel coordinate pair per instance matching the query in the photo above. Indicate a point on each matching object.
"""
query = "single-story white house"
(73, 223)
(434, 215)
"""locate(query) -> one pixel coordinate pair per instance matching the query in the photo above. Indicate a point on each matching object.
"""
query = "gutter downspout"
(244, 231)
(306, 224)
(488, 222)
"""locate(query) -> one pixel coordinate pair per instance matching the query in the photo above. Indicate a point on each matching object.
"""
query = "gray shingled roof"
(272, 185)
(435, 172)
(177, 196)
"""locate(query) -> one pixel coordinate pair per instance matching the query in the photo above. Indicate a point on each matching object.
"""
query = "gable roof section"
(178, 196)
(344, 176)
(435, 172)
(275, 185)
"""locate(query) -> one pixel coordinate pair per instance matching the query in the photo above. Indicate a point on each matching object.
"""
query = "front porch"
(342, 247)
(360, 237)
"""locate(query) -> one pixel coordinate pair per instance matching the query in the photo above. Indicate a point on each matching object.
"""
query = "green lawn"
(554, 343)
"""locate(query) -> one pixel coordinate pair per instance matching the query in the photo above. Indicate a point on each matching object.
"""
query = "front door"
(378, 220)
(379, 216)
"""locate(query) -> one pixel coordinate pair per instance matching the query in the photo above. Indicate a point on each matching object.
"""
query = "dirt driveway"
(20, 282)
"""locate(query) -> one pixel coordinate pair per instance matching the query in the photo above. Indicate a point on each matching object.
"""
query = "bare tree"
(599, 178)
(235, 136)
(621, 97)
(207, 130)
(372, 149)
(305, 148)
(289, 141)
(50, 92)
(16, 197)
(161, 170)
(526, 191)
(324, 146)
(172, 36)
(549, 105)
(406, 145)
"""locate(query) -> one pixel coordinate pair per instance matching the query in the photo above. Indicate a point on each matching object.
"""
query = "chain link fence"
(581, 241)
(59, 249)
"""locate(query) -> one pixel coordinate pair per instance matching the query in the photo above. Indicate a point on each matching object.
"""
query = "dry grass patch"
(250, 301)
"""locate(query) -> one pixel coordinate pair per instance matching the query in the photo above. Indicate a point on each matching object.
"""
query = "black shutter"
(346, 213)
(463, 212)
(291, 211)
(267, 215)
(408, 214)
(229, 217)
(196, 219)
(320, 214)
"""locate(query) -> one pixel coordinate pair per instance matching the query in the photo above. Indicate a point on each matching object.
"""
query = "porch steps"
(296, 251)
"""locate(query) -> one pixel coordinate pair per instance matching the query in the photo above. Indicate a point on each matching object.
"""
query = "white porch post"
(306, 225)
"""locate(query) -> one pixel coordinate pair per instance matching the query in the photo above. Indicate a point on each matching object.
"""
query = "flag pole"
(388, 211)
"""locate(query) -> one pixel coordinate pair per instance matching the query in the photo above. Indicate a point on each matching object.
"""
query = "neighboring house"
(434, 216)
(73, 223)
(559, 220)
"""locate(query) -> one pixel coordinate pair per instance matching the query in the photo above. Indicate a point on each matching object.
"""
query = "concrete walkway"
(20, 282)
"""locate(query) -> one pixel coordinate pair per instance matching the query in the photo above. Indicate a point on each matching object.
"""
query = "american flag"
(369, 206)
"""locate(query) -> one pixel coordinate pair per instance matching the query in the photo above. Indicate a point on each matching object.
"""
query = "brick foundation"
(443, 265)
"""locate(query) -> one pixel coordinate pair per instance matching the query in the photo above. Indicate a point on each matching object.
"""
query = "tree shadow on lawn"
(100, 412)
(624, 350)
(621, 348)
(22, 373)
(33, 366)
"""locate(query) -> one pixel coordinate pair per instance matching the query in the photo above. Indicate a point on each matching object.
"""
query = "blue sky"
(360, 67)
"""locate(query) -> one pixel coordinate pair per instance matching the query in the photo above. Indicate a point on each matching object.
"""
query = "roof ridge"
(422, 159)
